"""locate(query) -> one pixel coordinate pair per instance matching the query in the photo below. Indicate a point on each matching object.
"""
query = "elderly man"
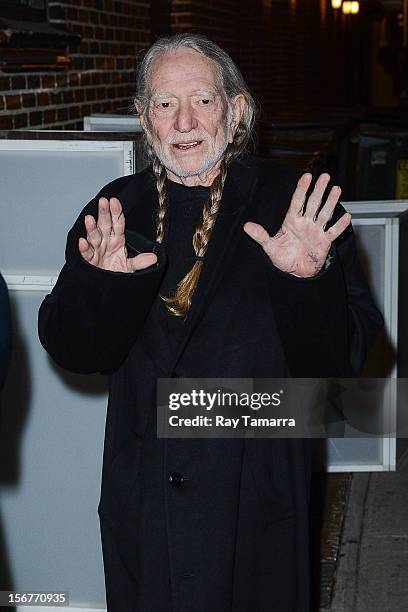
(208, 263)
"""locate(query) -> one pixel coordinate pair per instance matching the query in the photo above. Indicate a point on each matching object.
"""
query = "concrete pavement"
(372, 569)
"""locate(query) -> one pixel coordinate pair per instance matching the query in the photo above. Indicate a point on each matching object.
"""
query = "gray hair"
(229, 75)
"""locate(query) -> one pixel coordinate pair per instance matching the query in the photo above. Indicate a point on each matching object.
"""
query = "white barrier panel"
(52, 421)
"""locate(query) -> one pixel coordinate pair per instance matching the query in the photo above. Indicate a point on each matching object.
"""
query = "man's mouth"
(184, 146)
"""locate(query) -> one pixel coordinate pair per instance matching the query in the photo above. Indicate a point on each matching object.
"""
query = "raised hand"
(302, 243)
(104, 245)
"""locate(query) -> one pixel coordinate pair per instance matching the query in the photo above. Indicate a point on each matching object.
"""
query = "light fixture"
(355, 7)
(346, 8)
(336, 4)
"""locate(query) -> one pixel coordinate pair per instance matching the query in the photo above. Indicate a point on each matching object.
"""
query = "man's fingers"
(258, 233)
(93, 233)
(142, 261)
(326, 212)
(118, 218)
(299, 195)
(104, 222)
(338, 227)
(315, 198)
(85, 249)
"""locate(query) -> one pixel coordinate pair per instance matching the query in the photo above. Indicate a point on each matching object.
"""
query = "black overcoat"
(238, 527)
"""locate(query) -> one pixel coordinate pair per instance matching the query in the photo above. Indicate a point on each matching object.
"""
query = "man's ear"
(239, 105)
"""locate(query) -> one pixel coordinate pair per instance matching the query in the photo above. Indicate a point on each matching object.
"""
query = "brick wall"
(101, 77)
(293, 54)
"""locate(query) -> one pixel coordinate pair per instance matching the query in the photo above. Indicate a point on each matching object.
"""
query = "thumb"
(142, 261)
(257, 232)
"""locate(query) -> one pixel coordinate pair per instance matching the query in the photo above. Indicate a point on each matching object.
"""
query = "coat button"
(176, 479)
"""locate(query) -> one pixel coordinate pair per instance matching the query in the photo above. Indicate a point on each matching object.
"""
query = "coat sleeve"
(328, 321)
(92, 317)
(5, 331)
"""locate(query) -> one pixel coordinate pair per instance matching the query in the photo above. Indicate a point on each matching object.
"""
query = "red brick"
(36, 118)
(90, 94)
(28, 100)
(85, 15)
(4, 84)
(88, 32)
(71, 14)
(74, 112)
(62, 80)
(96, 77)
(72, 125)
(49, 115)
(62, 114)
(48, 81)
(33, 81)
(18, 82)
(67, 96)
(56, 97)
(74, 78)
(20, 121)
(13, 102)
(79, 95)
(43, 98)
(86, 79)
(6, 122)
(85, 47)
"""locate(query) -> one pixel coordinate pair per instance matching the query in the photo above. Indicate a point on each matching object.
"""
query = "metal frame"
(387, 214)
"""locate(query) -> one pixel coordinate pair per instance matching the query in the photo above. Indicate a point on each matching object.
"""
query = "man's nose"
(185, 121)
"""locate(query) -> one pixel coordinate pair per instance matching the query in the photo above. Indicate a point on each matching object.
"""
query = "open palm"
(302, 243)
(104, 245)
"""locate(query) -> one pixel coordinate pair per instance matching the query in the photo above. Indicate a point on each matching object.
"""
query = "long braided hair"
(232, 84)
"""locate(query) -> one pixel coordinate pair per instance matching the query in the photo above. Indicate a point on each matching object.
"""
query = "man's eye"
(164, 104)
(205, 101)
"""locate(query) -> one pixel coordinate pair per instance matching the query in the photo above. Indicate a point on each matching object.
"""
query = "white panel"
(110, 122)
(52, 442)
(52, 422)
(353, 454)
(44, 185)
(377, 242)
(371, 250)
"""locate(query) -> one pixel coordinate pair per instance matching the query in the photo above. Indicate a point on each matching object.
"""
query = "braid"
(160, 173)
(179, 304)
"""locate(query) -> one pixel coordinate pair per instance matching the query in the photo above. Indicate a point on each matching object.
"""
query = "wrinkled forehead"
(183, 70)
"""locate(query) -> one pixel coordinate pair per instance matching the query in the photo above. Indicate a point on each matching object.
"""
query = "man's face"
(188, 113)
